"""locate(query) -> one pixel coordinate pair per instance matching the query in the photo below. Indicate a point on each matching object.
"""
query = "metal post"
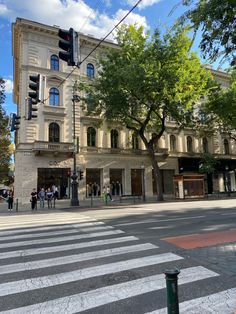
(17, 205)
(172, 291)
(74, 184)
(143, 183)
(91, 205)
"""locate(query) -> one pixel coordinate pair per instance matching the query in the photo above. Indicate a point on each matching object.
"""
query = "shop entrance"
(116, 181)
(47, 177)
(136, 181)
(93, 182)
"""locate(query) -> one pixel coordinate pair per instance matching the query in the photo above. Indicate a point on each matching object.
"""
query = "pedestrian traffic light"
(15, 121)
(31, 109)
(69, 43)
(81, 175)
(36, 86)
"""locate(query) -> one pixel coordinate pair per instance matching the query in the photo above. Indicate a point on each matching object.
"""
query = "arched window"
(54, 63)
(90, 70)
(91, 137)
(205, 145)
(226, 147)
(114, 139)
(54, 132)
(189, 144)
(135, 141)
(54, 97)
(172, 143)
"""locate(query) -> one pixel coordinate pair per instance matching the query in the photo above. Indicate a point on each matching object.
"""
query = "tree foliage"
(5, 141)
(208, 163)
(145, 81)
(221, 106)
(217, 22)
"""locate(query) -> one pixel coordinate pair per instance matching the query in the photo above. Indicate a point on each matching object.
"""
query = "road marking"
(85, 273)
(54, 233)
(62, 260)
(157, 221)
(193, 241)
(62, 239)
(67, 247)
(90, 299)
(221, 302)
(59, 227)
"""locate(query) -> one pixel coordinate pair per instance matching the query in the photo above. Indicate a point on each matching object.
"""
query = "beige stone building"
(106, 155)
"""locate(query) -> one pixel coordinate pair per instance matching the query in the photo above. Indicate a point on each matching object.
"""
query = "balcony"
(40, 148)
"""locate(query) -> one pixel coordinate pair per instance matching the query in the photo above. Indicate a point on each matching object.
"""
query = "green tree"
(221, 105)
(207, 163)
(216, 20)
(146, 80)
(5, 141)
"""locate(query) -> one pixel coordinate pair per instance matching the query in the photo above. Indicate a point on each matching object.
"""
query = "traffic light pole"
(74, 177)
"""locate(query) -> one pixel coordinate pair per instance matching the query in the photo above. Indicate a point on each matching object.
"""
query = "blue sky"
(96, 17)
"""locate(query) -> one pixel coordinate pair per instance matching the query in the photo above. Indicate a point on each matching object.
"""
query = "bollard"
(17, 205)
(91, 204)
(172, 291)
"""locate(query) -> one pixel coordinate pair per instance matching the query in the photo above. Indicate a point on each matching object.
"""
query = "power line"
(100, 42)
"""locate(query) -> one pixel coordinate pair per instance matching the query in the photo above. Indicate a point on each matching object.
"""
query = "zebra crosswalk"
(70, 263)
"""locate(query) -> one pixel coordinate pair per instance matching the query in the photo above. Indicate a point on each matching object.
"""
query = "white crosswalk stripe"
(68, 249)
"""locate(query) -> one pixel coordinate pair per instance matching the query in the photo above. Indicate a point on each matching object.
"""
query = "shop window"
(114, 139)
(54, 63)
(135, 141)
(54, 132)
(91, 137)
(54, 97)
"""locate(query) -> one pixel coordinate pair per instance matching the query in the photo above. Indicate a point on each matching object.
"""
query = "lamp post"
(74, 184)
(143, 182)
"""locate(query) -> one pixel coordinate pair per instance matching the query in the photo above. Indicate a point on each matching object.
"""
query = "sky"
(94, 17)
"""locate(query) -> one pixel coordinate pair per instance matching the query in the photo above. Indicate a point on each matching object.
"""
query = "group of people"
(8, 196)
(50, 195)
(114, 189)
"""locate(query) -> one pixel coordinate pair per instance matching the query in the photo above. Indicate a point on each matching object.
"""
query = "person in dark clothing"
(10, 200)
(33, 200)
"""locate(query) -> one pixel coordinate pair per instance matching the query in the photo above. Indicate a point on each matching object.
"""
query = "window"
(114, 139)
(205, 145)
(135, 141)
(54, 99)
(54, 132)
(91, 137)
(172, 143)
(226, 147)
(90, 70)
(54, 65)
(189, 144)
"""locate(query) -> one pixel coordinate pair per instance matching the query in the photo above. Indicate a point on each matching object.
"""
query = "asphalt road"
(112, 260)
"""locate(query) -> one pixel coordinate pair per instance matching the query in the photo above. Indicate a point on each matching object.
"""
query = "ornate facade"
(107, 154)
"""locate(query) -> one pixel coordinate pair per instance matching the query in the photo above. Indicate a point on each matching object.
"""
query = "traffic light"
(15, 121)
(31, 109)
(36, 86)
(81, 175)
(69, 43)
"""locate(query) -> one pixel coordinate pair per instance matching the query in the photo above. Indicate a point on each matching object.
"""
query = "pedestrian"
(49, 196)
(10, 198)
(108, 190)
(41, 196)
(33, 200)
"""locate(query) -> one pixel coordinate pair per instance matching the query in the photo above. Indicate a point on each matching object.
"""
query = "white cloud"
(8, 86)
(143, 4)
(66, 14)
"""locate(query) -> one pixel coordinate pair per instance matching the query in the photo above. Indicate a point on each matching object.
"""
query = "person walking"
(41, 196)
(108, 190)
(10, 198)
(49, 196)
(33, 200)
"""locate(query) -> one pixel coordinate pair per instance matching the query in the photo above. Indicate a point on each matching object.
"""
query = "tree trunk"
(157, 174)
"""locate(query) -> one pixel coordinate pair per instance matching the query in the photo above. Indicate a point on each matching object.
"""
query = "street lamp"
(143, 182)
(74, 184)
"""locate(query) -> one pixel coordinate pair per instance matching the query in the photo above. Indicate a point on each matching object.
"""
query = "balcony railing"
(56, 148)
